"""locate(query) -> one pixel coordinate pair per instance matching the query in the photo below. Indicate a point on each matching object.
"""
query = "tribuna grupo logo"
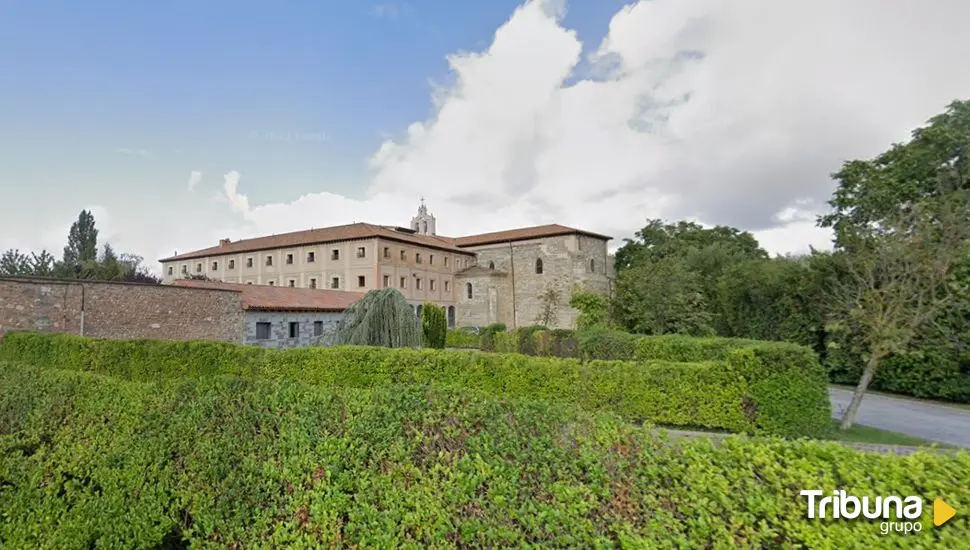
(841, 505)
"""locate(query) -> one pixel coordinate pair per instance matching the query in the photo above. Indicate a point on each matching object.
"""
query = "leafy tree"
(662, 297)
(594, 308)
(43, 264)
(900, 280)
(381, 318)
(82, 241)
(776, 299)
(434, 326)
(14, 262)
(932, 164)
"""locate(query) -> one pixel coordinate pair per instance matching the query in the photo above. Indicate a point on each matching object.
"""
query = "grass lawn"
(962, 406)
(865, 434)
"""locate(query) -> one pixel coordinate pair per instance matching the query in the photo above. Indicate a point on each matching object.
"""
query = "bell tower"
(423, 223)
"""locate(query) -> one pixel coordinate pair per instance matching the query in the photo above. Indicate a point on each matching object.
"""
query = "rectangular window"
(317, 328)
(404, 281)
(446, 286)
(417, 284)
(262, 331)
(313, 283)
(335, 282)
(431, 259)
(249, 262)
(215, 266)
(289, 259)
(432, 285)
(387, 281)
(404, 255)
(185, 269)
(171, 270)
(292, 283)
(311, 257)
(232, 264)
(269, 260)
(198, 268)
(387, 252)
(446, 261)
(361, 251)
(294, 329)
(335, 254)
(271, 283)
(417, 257)
(361, 281)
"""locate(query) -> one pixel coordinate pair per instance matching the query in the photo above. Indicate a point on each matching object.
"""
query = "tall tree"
(42, 265)
(933, 163)
(662, 297)
(900, 280)
(82, 241)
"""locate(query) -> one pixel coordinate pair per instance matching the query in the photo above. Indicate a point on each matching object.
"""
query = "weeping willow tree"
(381, 318)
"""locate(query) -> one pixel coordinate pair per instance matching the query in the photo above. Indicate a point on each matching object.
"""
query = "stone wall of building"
(120, 310)
(484, 305)
(279, 328)
(568, 262)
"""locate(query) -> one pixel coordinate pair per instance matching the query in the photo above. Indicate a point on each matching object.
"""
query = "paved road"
(934, 422)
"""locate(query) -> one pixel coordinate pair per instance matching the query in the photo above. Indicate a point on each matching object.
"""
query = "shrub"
(605, 343)
(462, 338)
(787, 385)
(713, 394)
(487, 335)
(434, 326)
(525, 337)
(88, 461)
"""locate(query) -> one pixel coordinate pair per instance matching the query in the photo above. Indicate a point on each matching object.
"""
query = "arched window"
(418, 311)
(491, 265)
(592, 265)
(468, 290)
(424, 227)
(451, 316)
(539, 266)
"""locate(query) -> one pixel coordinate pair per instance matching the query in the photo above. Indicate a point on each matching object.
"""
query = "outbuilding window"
(262, 331)
(539, 266)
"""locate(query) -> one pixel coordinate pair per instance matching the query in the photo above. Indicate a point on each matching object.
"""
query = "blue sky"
(325, 112)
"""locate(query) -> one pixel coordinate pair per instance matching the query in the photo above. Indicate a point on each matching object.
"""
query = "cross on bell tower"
(423, 223)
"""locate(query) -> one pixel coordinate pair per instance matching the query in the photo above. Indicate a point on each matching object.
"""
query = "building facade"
(518, 277)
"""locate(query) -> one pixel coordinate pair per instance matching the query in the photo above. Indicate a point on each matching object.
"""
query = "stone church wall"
(565, 265)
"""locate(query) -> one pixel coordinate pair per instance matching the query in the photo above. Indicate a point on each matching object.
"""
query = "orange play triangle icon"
(942, 512)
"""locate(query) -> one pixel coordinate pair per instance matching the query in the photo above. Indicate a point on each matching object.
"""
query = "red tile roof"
(282, 298)
(320, 236)
(524, 233)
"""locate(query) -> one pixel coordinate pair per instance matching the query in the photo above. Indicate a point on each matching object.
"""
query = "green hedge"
(711, 394)
(93, 462)
(937, 374)
(459, 338)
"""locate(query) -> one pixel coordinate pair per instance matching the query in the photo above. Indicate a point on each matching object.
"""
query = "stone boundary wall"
(120, 311)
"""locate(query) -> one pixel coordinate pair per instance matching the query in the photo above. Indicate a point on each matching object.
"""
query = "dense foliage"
(732, 387)
(381, 318)
(890, 219)
(434, 326)
(93, 461)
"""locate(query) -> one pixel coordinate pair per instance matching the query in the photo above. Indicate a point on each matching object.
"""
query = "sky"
(180, 123)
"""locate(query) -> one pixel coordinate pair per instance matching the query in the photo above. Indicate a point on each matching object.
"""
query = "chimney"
(224, 243)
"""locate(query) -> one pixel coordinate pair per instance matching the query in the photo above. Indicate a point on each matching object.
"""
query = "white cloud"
(726, 111)
(194, 178)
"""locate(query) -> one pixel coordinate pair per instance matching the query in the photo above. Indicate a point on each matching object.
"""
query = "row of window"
(311, 258)
(264, 330)
(592, 266)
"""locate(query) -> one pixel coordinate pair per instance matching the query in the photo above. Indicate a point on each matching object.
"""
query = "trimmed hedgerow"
(461, 338)
(90, 461)
(712, 394)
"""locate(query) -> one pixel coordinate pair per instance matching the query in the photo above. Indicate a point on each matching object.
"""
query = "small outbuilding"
(285, 317)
